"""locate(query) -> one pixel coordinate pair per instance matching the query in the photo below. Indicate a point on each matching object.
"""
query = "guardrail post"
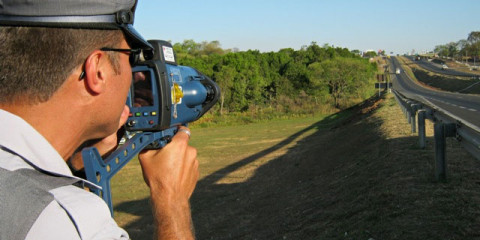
(409, 115)
(429, 114)
(413, 122)
(421, 129)
(403, 109)
(440, 147)
(441, 132)
(414, 108)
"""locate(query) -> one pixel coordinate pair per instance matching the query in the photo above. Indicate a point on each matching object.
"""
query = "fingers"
(173, 170)
(185, 131)
(183, 134)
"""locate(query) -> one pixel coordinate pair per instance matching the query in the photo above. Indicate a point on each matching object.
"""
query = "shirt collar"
(22, 139)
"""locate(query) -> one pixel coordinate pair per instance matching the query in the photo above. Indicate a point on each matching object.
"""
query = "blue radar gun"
(163, 96)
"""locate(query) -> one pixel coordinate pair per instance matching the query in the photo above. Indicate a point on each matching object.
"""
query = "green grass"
(218, 147)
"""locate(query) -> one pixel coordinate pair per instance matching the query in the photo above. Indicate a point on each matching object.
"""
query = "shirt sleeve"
(53, 223)
(76, 214)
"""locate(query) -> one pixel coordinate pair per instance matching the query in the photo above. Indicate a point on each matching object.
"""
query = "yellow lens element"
(177, 94)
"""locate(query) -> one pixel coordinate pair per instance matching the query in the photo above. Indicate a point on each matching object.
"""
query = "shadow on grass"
(348, 182)
(143, 228)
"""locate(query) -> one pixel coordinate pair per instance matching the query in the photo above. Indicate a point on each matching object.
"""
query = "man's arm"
(171, 173)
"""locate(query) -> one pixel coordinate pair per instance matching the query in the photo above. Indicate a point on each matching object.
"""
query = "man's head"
(36, 60)
(52, 60)
(43, 41)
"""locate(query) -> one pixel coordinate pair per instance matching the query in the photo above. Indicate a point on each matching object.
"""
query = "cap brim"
(134, 39)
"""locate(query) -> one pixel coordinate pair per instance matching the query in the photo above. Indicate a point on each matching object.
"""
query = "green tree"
(474, 44)
(369, 54)
(287, 77)
(462, 47)
(356, 52)
(210, 48)
(474, 37)
(224, 78)
(238, 100)
(452, 49)
(317, 86)
(343, 76)
(441, 50)
(296, 73)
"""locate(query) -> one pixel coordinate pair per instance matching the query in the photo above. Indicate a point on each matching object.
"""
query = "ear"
(95, 72)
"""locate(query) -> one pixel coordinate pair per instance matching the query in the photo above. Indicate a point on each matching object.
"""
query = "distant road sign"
(383, 85)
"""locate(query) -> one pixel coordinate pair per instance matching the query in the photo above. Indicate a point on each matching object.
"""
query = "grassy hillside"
(354, 175)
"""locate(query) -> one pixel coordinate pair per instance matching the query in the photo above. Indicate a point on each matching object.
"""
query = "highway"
(465, 106)
(436, 68)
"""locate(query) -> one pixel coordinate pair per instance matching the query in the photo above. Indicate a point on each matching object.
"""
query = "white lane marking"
(436, 107)
(451, 104)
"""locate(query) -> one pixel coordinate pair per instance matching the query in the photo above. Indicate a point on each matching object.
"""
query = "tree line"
(285, 81)
(468, 49)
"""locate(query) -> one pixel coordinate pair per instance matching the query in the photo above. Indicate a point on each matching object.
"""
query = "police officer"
(59, 89)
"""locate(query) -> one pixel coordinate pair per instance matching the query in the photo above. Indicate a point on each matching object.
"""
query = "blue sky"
(269, 25)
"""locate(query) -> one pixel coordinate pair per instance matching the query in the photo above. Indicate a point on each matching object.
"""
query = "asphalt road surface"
(465, 106)
(437, 68)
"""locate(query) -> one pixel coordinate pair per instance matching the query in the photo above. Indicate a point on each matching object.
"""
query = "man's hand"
(172, 173)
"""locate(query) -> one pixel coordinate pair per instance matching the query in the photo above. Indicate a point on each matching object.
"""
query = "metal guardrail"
(445, 125)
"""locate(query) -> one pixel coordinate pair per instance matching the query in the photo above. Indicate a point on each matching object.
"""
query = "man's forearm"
(172, 218)
(171, 173)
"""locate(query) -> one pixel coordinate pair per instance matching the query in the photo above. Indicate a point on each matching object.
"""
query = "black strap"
(106, 21)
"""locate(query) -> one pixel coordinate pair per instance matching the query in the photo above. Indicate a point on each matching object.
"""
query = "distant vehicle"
(444, 67)
(397, 71)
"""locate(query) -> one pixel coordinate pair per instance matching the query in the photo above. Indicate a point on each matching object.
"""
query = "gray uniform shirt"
(74, 213)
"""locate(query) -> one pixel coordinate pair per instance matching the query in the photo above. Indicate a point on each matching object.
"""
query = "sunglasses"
(135, 54)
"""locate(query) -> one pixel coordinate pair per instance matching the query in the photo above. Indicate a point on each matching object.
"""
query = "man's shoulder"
(68, 209)
(67, 218)
(53, 223)
(88, 213)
